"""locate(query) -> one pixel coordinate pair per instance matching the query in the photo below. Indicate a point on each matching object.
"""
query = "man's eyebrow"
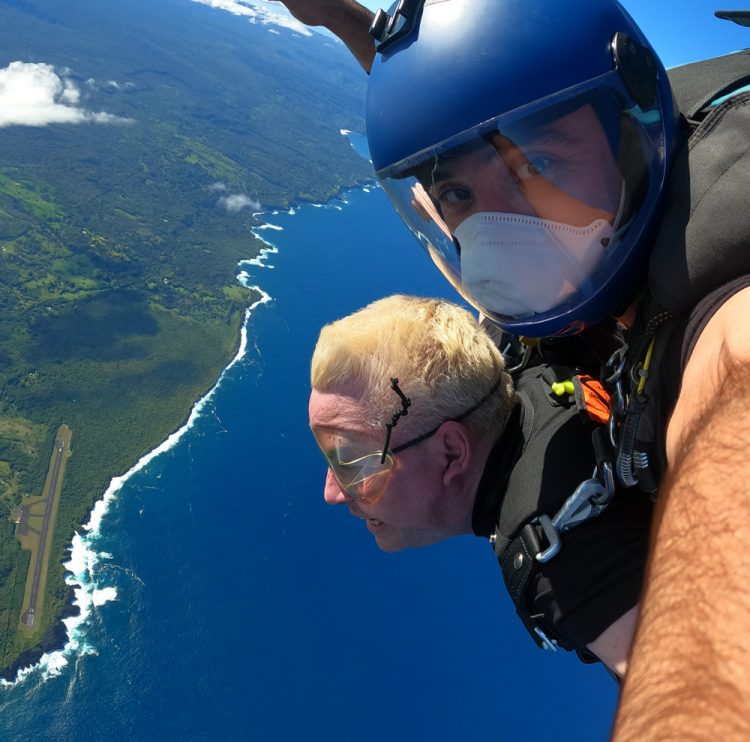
(445, 167)
(550, 135)
(349, 435)
(442, 172)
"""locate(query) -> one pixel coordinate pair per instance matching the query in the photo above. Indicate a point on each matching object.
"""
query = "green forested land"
(120, 403)
(118, 298)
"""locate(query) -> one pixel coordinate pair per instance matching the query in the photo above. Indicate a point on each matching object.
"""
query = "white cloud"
(33, 94)
(108, 85)
(107, 118)
(70, 94)
(217, 186)
(258, 11)
(238, 201)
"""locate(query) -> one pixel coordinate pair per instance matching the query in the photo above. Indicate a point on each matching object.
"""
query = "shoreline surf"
(80, 567)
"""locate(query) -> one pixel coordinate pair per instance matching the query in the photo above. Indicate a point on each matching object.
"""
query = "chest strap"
(540, 540)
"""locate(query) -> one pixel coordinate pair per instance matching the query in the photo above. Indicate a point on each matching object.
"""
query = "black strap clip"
(388, 29)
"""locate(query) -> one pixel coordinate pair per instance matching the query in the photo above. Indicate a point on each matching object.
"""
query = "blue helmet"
(526, 144)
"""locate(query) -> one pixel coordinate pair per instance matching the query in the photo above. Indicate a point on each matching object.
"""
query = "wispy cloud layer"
(33, 94)
(238, 201)
(257, 11)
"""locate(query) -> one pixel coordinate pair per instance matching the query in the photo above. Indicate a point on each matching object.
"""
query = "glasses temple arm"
(405, 404)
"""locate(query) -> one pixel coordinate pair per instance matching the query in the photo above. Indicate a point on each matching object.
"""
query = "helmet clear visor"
(525, 213)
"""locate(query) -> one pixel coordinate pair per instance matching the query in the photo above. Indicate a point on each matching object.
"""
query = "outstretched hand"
(349, 20)
(313, 12)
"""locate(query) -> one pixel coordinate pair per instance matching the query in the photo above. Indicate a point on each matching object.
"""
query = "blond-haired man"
(425, 439)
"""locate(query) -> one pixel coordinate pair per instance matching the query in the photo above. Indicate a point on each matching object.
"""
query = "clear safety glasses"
(364, 474)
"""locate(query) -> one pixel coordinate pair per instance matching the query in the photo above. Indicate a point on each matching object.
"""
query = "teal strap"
(718, 101)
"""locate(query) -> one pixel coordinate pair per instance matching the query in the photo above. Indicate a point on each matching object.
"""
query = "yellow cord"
(643, 372)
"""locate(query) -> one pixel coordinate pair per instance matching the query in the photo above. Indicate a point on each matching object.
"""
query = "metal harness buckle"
(545, 642)
(553, 537)
(588, 500)
(612, 375)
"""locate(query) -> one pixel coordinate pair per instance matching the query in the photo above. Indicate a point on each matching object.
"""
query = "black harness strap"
(696, 85)
(519, 566)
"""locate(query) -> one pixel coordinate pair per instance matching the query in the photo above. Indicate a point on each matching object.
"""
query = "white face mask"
(518, 265)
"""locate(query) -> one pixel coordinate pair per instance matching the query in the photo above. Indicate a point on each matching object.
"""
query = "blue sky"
(681, 32)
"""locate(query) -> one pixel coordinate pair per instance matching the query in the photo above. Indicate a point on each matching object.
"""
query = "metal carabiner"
(545, 642)
(579, 506)
(552, 536)
(616, 365)
(608, 478)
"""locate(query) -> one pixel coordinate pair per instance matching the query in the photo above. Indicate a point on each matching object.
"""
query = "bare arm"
(689, 675)
(347, 19)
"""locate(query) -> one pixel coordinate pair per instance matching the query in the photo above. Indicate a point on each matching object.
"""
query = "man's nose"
(333, 494)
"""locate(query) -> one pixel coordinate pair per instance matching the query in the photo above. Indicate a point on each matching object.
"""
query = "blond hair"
(442, 359)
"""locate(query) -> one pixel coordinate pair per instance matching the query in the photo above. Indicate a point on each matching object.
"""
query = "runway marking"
(39, 541)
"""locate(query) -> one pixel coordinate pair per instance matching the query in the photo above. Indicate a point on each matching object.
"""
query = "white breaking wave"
(104, 595)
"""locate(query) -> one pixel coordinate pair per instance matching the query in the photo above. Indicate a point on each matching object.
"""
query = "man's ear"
(456, 449)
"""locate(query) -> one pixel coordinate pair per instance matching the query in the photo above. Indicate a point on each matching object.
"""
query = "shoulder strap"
(548, 491)
(557, 455)
(675, 344)
(703, 235)
(519, 567)
(696, 85)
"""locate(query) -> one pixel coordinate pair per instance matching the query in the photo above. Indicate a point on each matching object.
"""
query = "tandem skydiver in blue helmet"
(526, 144)
(476, 116)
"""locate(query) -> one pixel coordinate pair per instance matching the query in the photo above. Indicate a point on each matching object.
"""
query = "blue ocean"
(223, 600)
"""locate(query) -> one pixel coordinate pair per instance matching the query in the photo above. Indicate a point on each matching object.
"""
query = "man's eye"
(353, 460)
(455, 194)
(532, 167)
(347, 460)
